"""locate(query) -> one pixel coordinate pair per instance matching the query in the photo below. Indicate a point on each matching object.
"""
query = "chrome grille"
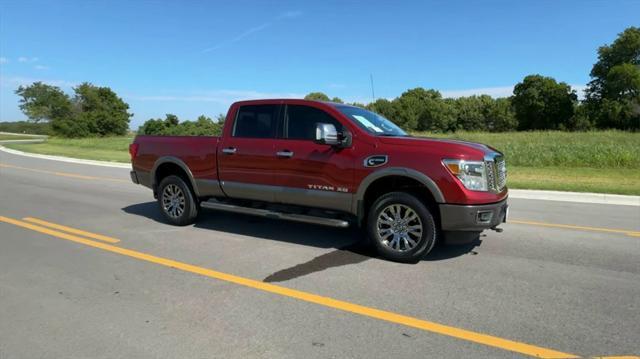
(501, 170)
(496, 173)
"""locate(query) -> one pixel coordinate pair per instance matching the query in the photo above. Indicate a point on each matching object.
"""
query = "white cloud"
(580, 90)
(239, 37)
(4, 60)
(41, 67)
(252, 30)
(217, 96)
(289, 14)
(15, 81)
(27, 59)
(502, 91)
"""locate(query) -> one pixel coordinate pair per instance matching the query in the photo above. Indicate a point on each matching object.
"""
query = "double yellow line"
(79, 236)
(106, 243)
(54, 229)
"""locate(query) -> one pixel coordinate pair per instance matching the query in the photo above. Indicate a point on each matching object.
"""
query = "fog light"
(485, 216)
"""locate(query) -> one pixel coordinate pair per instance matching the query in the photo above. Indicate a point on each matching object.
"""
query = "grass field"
(597, 149)
(103, 149)
(602, 161)
(599, 161)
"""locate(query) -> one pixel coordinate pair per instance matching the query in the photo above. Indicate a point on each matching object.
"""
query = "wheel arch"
(168, 165)
(396, 175)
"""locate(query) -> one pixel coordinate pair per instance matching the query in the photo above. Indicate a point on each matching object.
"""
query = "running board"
(331, 222)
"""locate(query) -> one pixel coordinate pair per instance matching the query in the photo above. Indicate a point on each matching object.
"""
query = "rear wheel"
(401, 227)
(177, 201)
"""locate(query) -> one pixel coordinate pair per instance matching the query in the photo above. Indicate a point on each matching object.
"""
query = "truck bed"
(197, 152)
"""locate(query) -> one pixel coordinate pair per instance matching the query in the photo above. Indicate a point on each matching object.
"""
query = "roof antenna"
(373, 94)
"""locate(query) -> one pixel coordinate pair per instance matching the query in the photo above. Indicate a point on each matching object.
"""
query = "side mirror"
(327, 134)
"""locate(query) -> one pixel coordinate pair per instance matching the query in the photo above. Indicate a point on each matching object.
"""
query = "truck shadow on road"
(349, 246)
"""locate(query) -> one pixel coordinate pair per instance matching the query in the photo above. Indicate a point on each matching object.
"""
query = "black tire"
(405, 252)
(179, 212)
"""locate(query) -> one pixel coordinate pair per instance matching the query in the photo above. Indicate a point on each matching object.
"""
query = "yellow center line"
(485, 339)
(64, 174)
(71, 230)
(583, 228)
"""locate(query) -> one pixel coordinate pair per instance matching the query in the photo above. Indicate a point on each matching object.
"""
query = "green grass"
(103, 149)
(597, 149)
(598, 161)
(601, 161)
(576, 179)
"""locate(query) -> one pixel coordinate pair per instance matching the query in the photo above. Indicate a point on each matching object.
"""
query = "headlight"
(472, 174)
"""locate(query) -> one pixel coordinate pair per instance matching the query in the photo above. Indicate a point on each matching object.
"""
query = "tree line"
(171, 126)
(612, 101)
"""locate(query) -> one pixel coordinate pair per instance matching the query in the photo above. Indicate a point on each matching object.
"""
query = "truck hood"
(459, 147)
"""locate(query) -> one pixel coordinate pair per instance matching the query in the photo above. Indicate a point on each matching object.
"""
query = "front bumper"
(454, 217)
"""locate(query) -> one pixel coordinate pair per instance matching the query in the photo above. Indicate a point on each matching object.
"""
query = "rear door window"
(256, 121)
(300, 122)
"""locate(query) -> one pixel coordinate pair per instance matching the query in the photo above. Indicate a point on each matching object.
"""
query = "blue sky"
(196, 57)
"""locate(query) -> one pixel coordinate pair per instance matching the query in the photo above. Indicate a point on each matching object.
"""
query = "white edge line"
(66, 159)
(578, 197)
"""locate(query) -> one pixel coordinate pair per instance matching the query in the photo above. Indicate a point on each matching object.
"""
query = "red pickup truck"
(329, 164)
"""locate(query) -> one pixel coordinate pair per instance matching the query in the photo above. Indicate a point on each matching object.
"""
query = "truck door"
(308, 173)
(246, 157)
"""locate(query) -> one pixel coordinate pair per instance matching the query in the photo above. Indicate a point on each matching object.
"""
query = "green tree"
(425, 110)
(542, 103)
(472, 111)
(613, 95)
(42, 102)
(171, 126)
(221, 118)
(101, 110)
(384, 107)
(500, 116)
(317, 96)
(159, 126)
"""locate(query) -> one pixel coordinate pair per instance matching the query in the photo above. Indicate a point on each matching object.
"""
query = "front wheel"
(401, 227)
(176, 201)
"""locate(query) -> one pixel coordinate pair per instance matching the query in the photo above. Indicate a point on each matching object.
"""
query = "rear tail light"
(133, 150)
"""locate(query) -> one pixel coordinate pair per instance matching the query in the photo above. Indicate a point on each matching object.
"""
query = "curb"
(35, 140)
(23, 134)
(577, 197)
(66, 159)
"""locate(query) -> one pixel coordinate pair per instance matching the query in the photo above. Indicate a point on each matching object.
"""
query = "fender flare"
(395, 171)
(176, 161)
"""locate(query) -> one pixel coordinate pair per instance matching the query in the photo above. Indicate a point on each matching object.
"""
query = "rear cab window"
(256, 121)
(300, 122)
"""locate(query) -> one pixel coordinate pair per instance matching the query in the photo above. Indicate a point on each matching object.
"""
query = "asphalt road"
(235, 286)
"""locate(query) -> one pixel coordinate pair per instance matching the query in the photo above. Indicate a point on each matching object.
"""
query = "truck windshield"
(371, 121)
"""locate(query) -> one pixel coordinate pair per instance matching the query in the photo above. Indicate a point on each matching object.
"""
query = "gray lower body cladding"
(454, 217)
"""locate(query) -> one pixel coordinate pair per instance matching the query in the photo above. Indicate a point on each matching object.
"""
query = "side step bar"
(331, 222)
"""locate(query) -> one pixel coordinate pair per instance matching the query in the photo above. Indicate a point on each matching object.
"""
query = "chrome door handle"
(229, 150)
(284, 153)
